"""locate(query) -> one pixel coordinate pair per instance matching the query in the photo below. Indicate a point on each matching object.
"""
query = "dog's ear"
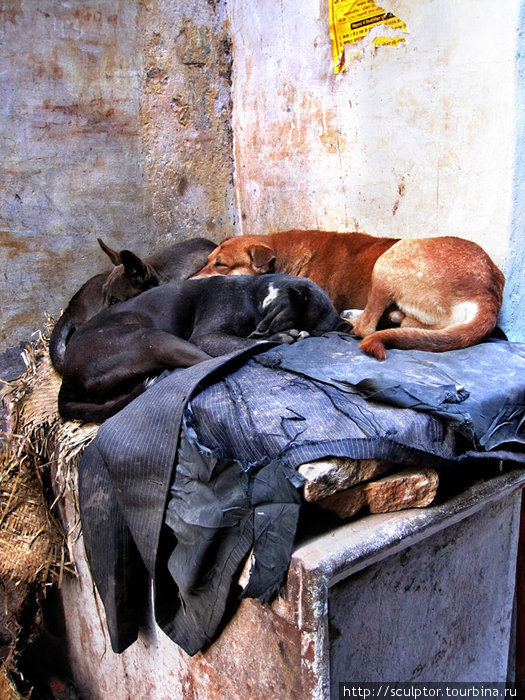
(299, 296)
(262, 258)
(113, 255)
(138, 272)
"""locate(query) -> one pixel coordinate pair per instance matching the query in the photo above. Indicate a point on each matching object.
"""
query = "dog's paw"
(351, 315)
(345, 326)
(373, 346)
(361, 327)
(290, 336)
(396, 316)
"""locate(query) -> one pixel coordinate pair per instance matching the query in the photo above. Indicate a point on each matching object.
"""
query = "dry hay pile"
(39, 456)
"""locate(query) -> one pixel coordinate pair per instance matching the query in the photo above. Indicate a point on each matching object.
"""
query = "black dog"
(130, 276)
(111, 357)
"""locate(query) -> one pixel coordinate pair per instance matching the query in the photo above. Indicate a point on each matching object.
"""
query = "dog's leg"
(396, 316)
(110, 367)
(102, 361)
(220, 343)
(280, 316)
(288, 310)
(380, 299)
(73, 408)
(351, 315)
(412, 322)
(169, 351)
(289, 336)
(349, 319)
(217, 343)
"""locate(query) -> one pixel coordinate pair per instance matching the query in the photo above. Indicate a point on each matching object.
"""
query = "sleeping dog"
(445, 292)
(130, 276)
(110, 358)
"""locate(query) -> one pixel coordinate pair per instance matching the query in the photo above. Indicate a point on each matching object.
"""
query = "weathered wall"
(395, 569)
(186, 118)
(115, 123)
(71, 134)
(416, 140)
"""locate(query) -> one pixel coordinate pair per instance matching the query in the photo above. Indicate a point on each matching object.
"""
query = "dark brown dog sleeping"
(111, 358)
(447, 290)
(130, 276)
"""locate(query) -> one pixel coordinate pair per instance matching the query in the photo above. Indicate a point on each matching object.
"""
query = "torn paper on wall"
(351, 20)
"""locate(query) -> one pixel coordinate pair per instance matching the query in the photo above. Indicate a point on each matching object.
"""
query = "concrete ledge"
(378, 578)
(349, 548)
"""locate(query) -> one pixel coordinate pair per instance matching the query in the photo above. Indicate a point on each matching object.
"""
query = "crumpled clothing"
(479, 390)
(249, 420)
(124, 479)
(218, 513)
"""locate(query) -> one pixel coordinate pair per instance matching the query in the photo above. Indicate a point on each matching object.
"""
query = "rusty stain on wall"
(12, 245)
(10, 10)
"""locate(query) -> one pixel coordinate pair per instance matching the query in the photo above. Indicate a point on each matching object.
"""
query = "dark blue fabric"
(323, 396)
(124, 480)
(480, 390)
(257, 414)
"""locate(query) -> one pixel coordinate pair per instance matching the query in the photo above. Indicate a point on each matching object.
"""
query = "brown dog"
(448, 288)
(340, 263)
(448, 291)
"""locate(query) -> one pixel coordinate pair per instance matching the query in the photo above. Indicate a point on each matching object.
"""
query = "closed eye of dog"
(218, 263)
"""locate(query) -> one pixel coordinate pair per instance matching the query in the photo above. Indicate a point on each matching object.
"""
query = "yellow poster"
(351, 20)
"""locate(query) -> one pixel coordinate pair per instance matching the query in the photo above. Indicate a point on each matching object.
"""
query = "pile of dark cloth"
(199, 471)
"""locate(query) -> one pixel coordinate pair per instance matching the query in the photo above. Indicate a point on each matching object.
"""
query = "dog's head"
(313, 310)
(130, 277)
(243, 255)
(295, 303)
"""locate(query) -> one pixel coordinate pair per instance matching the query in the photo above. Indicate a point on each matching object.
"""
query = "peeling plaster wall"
(186, 118)
(115, 123)
(414, 140)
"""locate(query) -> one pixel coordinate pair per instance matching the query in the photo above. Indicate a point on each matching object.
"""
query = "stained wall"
(413, 140)
(144, 122)
(115, 123)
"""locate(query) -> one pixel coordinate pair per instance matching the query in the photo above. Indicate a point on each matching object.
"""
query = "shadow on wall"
(512, 319)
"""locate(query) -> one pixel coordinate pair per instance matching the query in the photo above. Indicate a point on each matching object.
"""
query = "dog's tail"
(60, 335)
(454, 337)
(89, 412)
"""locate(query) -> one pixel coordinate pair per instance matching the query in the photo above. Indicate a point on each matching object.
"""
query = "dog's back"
(83, 305)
